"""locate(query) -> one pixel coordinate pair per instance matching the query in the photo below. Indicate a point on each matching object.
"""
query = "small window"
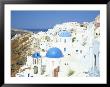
(65, 41)
(76, 50)
(80, 51)
(95, 59)
(64, 49)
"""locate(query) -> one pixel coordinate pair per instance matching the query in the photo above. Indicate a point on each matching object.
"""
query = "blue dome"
(36, 55)
(64, 34)
(54, 53)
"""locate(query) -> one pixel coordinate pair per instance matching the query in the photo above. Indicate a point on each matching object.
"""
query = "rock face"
(20, 49)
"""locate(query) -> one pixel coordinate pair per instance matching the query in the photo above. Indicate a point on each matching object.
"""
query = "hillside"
(21, 47)
(18, 31)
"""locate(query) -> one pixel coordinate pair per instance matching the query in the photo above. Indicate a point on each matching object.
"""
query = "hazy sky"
(47, 19)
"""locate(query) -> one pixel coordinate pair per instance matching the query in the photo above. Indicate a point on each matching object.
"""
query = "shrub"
(71, 72)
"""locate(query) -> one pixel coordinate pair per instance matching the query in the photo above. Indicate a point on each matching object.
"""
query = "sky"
(48, 19)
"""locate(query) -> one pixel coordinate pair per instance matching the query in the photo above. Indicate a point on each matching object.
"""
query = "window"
(95, 59)
(64, 49)
(65, 41)
(35, 69)
(80, 51)
(76, 50)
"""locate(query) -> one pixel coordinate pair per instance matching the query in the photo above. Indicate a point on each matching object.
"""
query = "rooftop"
(54, 53)
(64, 34)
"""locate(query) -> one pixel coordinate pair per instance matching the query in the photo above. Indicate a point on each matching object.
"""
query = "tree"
(73, 39)
(47, 38)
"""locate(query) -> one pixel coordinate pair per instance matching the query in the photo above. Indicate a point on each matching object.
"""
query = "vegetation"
(73, 39)
(47, 38)
(81, 25)
(71, 72)
(43, 50)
